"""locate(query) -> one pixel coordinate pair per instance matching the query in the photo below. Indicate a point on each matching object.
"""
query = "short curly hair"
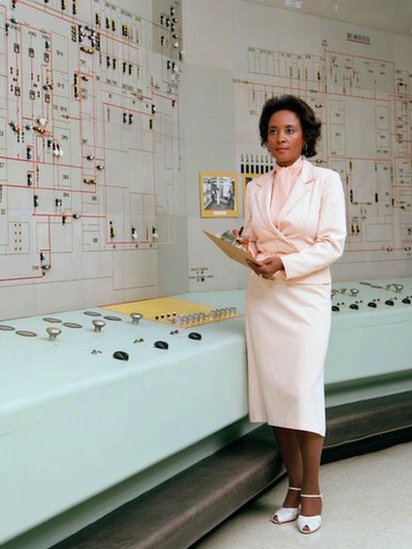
(310, 124)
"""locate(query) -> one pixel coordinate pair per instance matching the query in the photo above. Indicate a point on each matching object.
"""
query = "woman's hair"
(310, 125)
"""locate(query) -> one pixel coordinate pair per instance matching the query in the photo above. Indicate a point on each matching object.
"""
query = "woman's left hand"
(268, 268)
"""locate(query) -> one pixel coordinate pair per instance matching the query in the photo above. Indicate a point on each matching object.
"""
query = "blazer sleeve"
(248, 231)
(330, 239)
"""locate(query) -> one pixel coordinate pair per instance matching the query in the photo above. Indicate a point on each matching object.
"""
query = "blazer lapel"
(263, 197)
(299, 189)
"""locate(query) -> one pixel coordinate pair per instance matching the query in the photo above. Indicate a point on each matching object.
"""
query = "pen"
(240, 231)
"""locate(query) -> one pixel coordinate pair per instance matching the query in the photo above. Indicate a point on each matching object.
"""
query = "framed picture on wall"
(218, 194)
(247, 178)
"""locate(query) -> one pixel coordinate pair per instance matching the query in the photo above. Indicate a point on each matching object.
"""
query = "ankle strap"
(311, 495)
(294, 489)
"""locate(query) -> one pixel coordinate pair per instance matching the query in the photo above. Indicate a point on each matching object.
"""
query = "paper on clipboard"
(237, 254)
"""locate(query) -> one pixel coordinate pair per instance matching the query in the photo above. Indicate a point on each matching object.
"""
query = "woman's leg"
(290, 451)
(310, 445)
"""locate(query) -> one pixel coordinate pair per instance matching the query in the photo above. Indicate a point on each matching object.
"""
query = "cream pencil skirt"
(287, 332)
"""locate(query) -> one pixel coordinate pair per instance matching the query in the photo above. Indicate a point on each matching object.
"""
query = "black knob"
(121, 355)
(372, 304)
(335, 308)
(406, 300)
(354, 306)
(389, 302)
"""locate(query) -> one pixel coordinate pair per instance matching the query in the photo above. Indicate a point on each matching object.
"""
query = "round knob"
(98, 325)
(53, 332)
(354, 291)
(136, 317)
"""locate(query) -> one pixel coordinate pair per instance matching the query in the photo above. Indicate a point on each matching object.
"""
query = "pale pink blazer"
(311, 226)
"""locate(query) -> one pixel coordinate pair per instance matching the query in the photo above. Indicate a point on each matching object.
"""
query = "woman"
(295, 227)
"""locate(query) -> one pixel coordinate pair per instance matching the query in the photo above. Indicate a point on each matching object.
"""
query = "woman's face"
(285, 137)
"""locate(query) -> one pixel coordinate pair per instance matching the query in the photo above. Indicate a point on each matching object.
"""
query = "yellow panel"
(170, 310)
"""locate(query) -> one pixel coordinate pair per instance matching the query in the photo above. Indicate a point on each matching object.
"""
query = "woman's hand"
(242, 240)
(268, 268)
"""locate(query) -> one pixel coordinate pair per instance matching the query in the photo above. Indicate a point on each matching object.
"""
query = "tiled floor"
(367, 504)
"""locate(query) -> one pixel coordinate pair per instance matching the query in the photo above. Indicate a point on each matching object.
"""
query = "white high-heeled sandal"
(286, 514)
(310, 523)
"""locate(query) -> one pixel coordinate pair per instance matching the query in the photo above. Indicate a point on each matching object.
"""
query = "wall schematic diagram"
(365, 104)
(88, 146)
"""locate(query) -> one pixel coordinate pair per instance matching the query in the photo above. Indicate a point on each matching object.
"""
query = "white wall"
(218, 126)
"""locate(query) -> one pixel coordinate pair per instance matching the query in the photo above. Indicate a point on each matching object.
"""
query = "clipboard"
(237, 254)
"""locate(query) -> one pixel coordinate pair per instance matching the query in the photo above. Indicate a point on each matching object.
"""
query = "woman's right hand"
(242, 240)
